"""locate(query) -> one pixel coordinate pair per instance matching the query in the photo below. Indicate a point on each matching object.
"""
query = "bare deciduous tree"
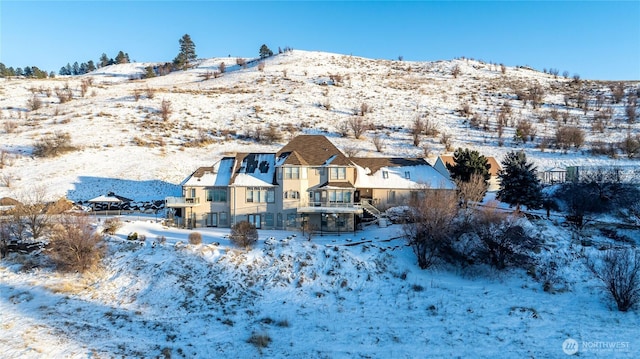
(165, 109)
(74, 245)
(429, 224)
(619, 271)
(358, 126)
(243, 234)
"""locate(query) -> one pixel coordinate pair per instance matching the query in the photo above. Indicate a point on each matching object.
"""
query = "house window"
(291, 195)
(255, 219)
(391, 196)
(291, 172)
(268, 219)
(385, 174)
(260, 195)
(223, 219)
(340, 221)
(217, 195)
(192, 193)
(339, 196)
(407, 174)
(291, 220)
(338, 173)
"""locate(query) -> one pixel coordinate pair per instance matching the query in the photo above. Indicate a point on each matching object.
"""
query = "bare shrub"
(10, 126)
(428, 228)
(74, 246)
(455, 71)
(53, 145)
(165, 110)
(273, 134)
(64, 95)
(241, 62)
(350, 150)
(416, 130)
(446, 140)
(617, 91)
(34, 103)
(619, 272)
(525, 131)
(150, 92)
(84, 87)
(630, 146)
(504, 240)
(343, 128)
(378, 142)
(261, 66)
(222, 67)
(111, 225)
(358, 126)
(260, 341)
(136, 94)
(503, 69)
(309, 230)
(472, 191)
(243, 234)
(364, 109)
(195, 238)
(32, 211)
(567, 136)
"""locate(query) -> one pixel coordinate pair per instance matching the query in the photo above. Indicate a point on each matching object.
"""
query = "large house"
(309, 181)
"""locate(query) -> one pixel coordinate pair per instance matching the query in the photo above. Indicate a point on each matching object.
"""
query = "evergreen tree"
(467, 163)
(122, 58)
(265, 51)
(91, 66)
(3, 70)
(187, 53)
(68, 69)
(28, 72)
(18, 71)
(519, 183)
(104, 60)
(76, 69)
(83, 68)
(63, 71)
(149, 72)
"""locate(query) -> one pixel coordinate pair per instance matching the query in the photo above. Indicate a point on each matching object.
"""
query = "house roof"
(217, 175)
(398, 173)
(375, 163)
(254, 169)
(311, 150)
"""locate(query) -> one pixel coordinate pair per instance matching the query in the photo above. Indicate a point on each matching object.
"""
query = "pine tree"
(104, 60)
(466, 163)
(265, 51)
(91, 66)
(187, 53)
(121, 58)
(519, 183)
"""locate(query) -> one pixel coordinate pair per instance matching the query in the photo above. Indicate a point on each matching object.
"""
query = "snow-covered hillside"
(123, 145)
(348, 296)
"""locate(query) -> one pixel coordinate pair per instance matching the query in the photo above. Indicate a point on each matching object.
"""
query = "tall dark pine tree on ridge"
(519, 183)
(187, 53)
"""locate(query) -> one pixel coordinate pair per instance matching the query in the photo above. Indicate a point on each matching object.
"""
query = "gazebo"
(109, 199)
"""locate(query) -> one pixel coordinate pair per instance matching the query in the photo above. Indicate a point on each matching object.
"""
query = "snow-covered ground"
(336, 296)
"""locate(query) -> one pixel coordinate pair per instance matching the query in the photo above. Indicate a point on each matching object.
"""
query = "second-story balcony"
(181, 202)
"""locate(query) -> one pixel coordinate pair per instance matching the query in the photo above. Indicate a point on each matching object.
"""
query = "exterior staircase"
(379, 216)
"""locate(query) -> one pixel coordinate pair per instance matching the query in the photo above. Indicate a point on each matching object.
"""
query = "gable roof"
(375, 163)
(311, 150)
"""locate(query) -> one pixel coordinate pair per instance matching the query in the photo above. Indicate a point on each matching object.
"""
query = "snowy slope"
(331, 297)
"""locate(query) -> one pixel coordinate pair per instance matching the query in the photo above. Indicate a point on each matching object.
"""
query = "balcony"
(330, 207)
(182, 202)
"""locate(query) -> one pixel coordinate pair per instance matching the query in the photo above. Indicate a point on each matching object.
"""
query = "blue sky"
(597, 40)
